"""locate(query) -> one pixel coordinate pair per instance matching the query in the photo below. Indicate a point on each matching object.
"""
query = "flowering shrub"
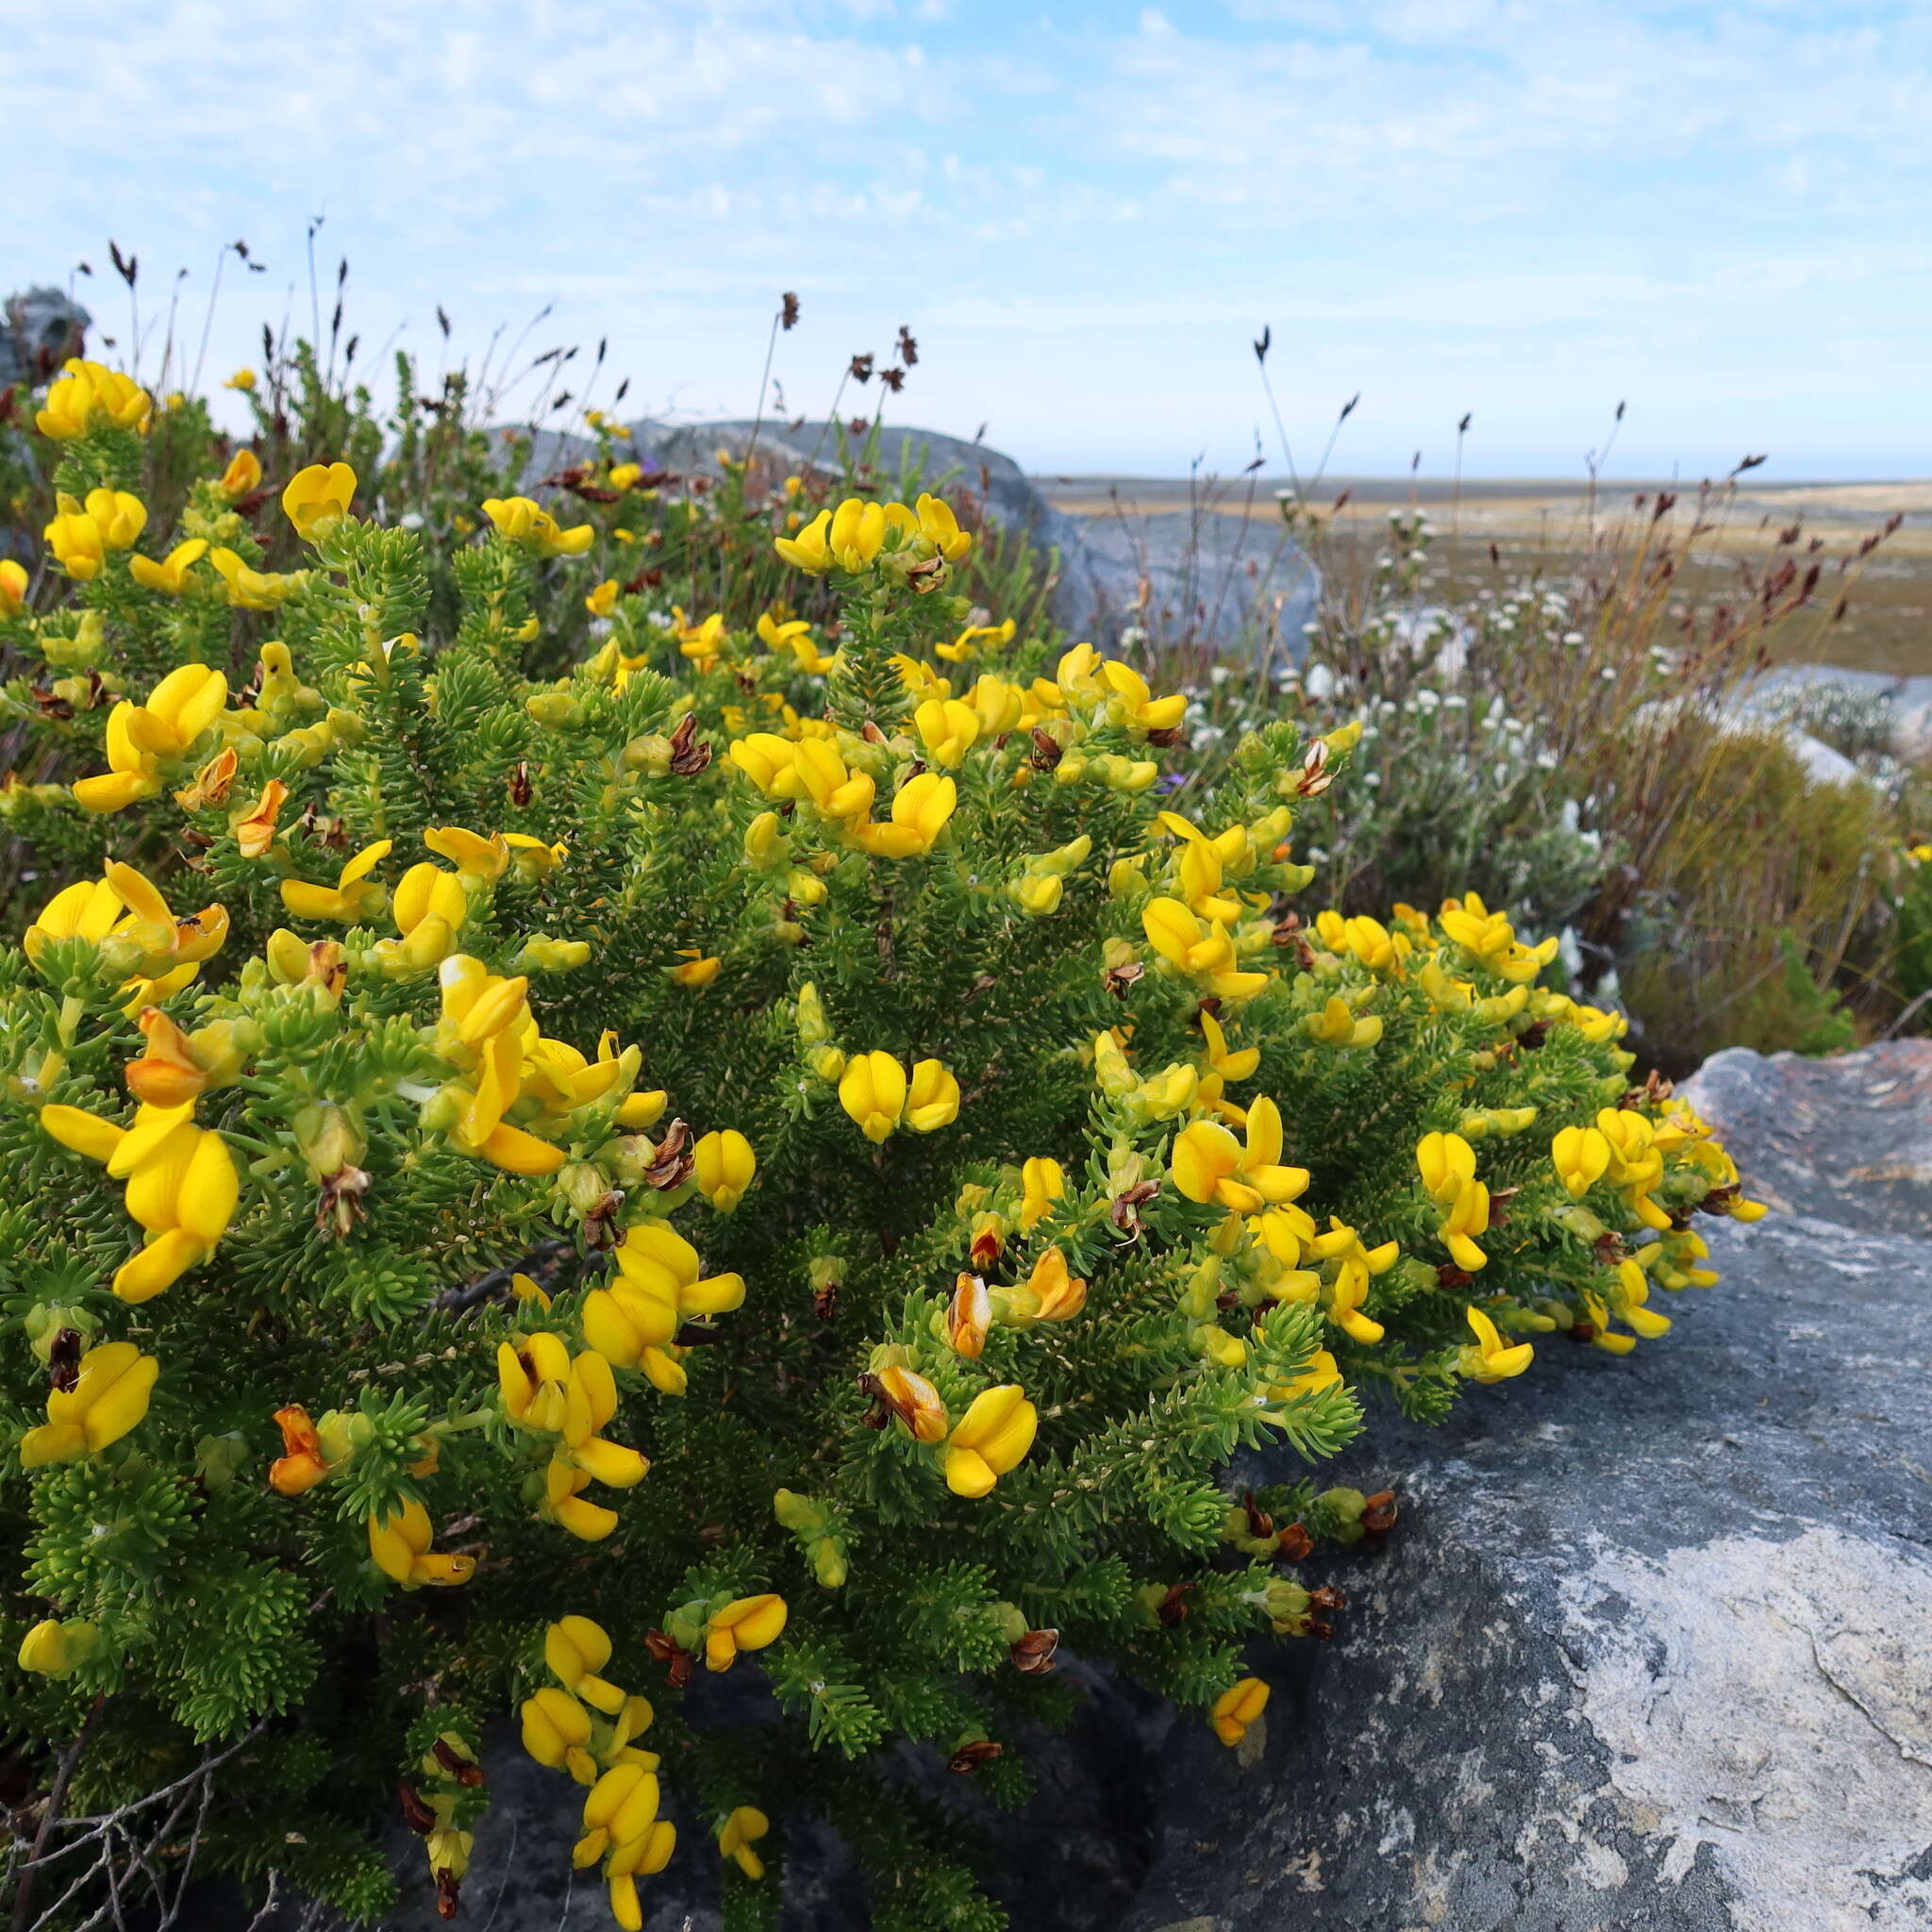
(762, 1148)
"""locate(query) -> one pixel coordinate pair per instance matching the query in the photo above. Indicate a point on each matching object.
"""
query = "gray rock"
(1650, 1650)
(1212, 579)
(1651, 1647)
(40, 329)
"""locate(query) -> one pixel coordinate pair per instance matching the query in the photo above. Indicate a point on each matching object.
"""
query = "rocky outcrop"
(1219, 579)
(1650, 1649)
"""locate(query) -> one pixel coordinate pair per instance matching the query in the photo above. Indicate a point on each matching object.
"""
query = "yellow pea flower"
(857, 535)
(746, 1622)
(248, 588)
(1132, 703)
(810, 550)
(724, 1164)
(1447, 1165)
(914, 1401)
(109, 1398)
(737, 1834)
(640, 1859)
(182, 1186)
(353, 898)
(940, 528)
(1491, 1359)
(603, 600)
(399, 1547)
(920, 813)
(575, 1651)
(932, 1100)
(76, 539)
(54, 1649)
(696, 974)
(140, 737)
(254, 831)
(947, 727)
(969, 1316)
(872, 1091)
(242, 379)
(523, 522)
(1237, 1709)
(1209, 1164)
(1351, 1266)
(1041, 1183)
(317, 499)
(1197, 949)
(13, 581)
(1059, 1294)
(989, 1439)
(88, 394)
(242, 478)
(1581, 1155)
(167, 574)
(556, 1731)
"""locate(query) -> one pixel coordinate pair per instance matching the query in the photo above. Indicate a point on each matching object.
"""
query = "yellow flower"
(933, 1101)
(737, 1834)
(1059, 1294)
(872, 1091)
(1490, 938)
(1237, 1709)
(242, 379)
(914, 1401)
(1041, 1183)
(1197, 949)
(1581, 1155)
(989, 1439)
(318, 498)
(603, 600)
(242, 477)
(857, 535)
(810, 549)
(1490, 1360)
(1351, 1266)
(1133, 705)
(255, 831)
(525, 523)
(353, 897)
(88, 394)
(182, 1186)
(575, 1650)
(701, 643)
(969, 1315)
(399, 1546)
(1209, 1164)
(13, 581)
(170, 574)
(139, 737)
(940, 528)
(920, 814)
(697, 973)
(556, 1729)
(948, 728)
(477, 860)
(724, 1164)
(1337, 1025)
(246, 588)
(76, 539)
(109, 1396)
(54, 1649)
(746, 1622)
(429, 910)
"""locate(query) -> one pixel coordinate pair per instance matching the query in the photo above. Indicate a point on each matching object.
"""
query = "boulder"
(1650, 1649)
(1215, 579)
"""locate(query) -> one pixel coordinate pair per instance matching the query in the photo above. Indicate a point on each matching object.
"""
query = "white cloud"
(1715, 211)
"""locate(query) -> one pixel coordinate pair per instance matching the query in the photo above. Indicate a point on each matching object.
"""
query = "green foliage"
(681, 1144)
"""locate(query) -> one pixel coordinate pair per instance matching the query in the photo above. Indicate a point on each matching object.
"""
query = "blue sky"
(1527, 209)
